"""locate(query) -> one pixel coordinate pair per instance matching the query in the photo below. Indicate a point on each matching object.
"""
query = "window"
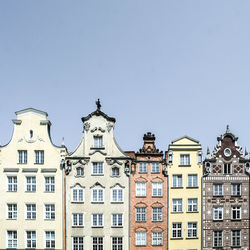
(97, 195)
(50, 239)
(22, 156)
(12, 211)
(192, 180)
(78, 243)
(177, 205)
(192, 205)
(236, 238)
(199, 157)
(97, 220)
(50, 212)
(117, 220)
(155, 167)
(117, 243)
(143, 167)
(50, 184)
(77, 194)
(30, 239)
(97, 168)
(30, 184)
(156, 214)
(236, 189)
(184, 159)
(236, 213)
(98, 243)
(117, 195)
(12, 239)
(157, 238)
(115, 171)
(218, 213)
(176, 230)
(192, 229)
(140, 239)
(79, 171)
(98, 142)
(140, 188)
(77, 220)
(227, 168)
(140, 214)
(177, 181)
(218, 239)
(157, 189)
(170, 157)
(218, 189)
(30, 211)
(39, 157)
(12, 183)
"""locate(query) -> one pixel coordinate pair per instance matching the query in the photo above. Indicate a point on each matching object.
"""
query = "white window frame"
(98, 141)
(11, 211)
(177, 205)
(51, 240)
(39, 156)
(117, 220)
(11, 236)
(237, 210)
(235, 238)
(192, 181)
(157, 189)
(115, 171)
(79, 171)
(192, 230)
(235, 191)
(155, 167)
(218, 189)
(177, 230)
(30, 186)
(140, 214)
(157, 214)
(97, 194)
(157, 238)
(49, 186)
(99, 220)
(49, 211)
(97, 168)
(143, 167)
(32, 211)
(77, 245)
(79, 197)
(218, 213)
(219, 238)
(118, 244)
(141, 189)
(22, 156)
(11, 183)
(31, 240)
(99, 245)
(77, 220)
(117, 194)
(177, 181)
(185, 160)
(192, 205)
(140, 238)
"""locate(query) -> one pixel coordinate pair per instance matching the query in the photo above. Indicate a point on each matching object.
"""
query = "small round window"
(227, 152)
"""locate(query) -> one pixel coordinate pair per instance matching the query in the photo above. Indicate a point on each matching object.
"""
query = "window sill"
(20, 163)
(30, 219)
(235, 219)
(157, 221)
(181, 165)
(177, 238)
(138, 221)
(49, 219)
(176, 187)
(97, 226)
(116, 226)
(11, 191)
(36, 163)
(97, 202)
(155, 173)
(193, 187)
(177, 212)
(157, 196)
(142, 172)
(116, 202)
(30, 191)
(236, 246)
(140, 196)
(11, 219)
(191, 238)
(190, 212)
(219, 220)
(236, 195)
(77, 202)
(97, 174)
(77, 226)
(49, 192)
(97, 148)
(221, 195)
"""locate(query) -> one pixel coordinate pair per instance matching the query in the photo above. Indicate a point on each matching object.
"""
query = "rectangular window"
(157, 238)
(117, 220)
(192, 205)
(157, 214)
(192, 180)
(218, 189)
(140, 239)
(50, 241)
(97, 243)
(12, 183)
(98, 143)
(77, 220)
(50, 212)
(218, 239)
(117, 195)
(12, 211)
(97, 195)
(39, 157)
(50, 184)
(140, 214)
(227, 168)
(97, 220)
(30, 184)
(77, 195)
(30, 211)
(236, 189)
(12, 239)
(22, 156)
(236, 213)
(143, 167)
(157, 189)
(176, 230)
(97, 168)
(30, 239)
(140, 189)
(78, 243)
(218, 213)
(177, 205)
(184, 159)
(177, 181)
(236, 238)
(192, 230)
(155, 167)
(115, 171)
(117, 243)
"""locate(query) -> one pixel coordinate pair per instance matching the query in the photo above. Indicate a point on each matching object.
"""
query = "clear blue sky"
(179, 67)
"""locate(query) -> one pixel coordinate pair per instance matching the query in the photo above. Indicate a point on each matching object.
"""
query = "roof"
(98, 112)
(23, 111)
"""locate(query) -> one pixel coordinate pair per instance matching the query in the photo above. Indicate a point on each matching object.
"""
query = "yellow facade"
(185, 174)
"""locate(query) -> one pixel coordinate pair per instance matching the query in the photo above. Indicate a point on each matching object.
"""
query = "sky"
(171, 67)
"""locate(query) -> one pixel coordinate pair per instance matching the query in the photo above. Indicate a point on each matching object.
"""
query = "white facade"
(97, 188)
(31, 185)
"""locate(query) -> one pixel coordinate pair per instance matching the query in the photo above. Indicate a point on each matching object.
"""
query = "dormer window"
(98, 143)
(79, 171)
(115, 171)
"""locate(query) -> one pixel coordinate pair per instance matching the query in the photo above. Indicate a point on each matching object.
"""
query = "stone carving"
(86, 126)
(111, 161)
(31, 140)
(109, 126)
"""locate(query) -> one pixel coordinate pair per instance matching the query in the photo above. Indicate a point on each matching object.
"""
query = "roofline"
(31, 110)
(185, 136)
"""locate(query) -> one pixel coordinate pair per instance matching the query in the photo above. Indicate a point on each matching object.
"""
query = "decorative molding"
(11, 170)
(112, 161)
(80, 161)
(77, 184)
(102, 130)
(141, 204)
(30, 170)
(97, 184)
(93, 130)
(17, 122)
(97, 151)
(48, 170)
(31, 140)
(117, 184)
(86, 126)
(109, 126)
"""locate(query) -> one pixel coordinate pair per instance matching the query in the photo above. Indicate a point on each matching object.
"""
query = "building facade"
(148, 197)
(184, 160)
(97, 188)
(226, 195)
(31, 183)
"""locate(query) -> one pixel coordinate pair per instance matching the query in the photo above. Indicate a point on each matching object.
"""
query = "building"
(31, 183)
(226, 195)
(148, 198)
(97, 188)
(184, 160)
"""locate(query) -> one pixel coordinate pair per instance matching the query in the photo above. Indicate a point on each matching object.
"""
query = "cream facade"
(185, 174)
(31, 183)
(97, 188)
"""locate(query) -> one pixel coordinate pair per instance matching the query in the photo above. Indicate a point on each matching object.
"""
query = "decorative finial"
(246, 153)
(98, 104)
(227, 131)
(208, 151)
(63, 142)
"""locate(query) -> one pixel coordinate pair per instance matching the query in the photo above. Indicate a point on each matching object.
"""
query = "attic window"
(31, 133)
(98, 142)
